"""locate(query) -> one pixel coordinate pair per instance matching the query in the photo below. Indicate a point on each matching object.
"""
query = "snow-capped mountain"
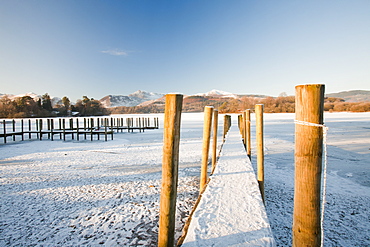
(133, 99)
(217, 93)
(12, 96)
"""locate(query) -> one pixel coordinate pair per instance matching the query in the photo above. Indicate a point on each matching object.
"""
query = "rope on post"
(325, 138)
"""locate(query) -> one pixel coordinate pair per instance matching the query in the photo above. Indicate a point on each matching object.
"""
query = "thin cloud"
(116, 52)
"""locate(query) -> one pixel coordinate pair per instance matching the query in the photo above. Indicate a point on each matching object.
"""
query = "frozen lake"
(92, 193)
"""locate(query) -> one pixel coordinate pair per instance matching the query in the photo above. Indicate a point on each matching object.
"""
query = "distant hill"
(352, 96)
(133, 99)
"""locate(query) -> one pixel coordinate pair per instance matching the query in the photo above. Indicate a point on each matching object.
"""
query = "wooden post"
(106, 128)
(214, 147)
(64, 129)
(309, 105)
(29, 128)
(51, 129)
(225, 127)
(60, 129)
(4, 125)
(244, 129)
(91, 129)
(77, 129)
(208, 110)
(248, 132)
(112, 122)
(260, 149)
(48, 123)
(13, 130)
(172, 121)
(22, 129)
(85, 128)
(71, 128)
(40, 129)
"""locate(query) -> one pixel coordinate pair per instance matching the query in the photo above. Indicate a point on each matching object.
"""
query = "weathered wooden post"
(225, 127)
(244, 125)
(112, 123)
(22, 129)
(248, 132)
(171, 141)
(40, 128)
(71, 128)
(29, 128)
(309, 106)
(60, 128)
(4, 126)
(49, 130)
(78, 129)
(208, 111)
(13, 130)
(260, 149)
(106, 129)
(52, 129)
(64, 129)
(214, 147)
(91, 129)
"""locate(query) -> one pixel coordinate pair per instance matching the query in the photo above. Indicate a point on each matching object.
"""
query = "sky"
(96, 48)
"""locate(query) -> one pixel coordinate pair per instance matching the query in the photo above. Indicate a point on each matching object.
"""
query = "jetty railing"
(73, 127)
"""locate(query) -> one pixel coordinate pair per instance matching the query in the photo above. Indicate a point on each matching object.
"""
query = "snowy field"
(74, 193)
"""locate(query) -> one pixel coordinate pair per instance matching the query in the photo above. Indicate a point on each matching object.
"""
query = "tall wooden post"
(244, 124)
(171, 141)
(248, 132)
(309, 106)
(260, 149)
(226, 123)
(214, 147)
(208, 110)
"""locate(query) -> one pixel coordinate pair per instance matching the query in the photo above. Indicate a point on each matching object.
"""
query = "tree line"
(26, 106)
(236, 105)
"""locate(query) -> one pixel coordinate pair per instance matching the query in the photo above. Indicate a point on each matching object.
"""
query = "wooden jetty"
(75, 127)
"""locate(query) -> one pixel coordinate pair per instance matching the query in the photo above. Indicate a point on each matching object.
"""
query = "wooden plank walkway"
(231, 211)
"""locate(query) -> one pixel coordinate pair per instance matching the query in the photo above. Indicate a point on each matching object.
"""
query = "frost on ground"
(347, 214)
(91, 193)
(107, 193)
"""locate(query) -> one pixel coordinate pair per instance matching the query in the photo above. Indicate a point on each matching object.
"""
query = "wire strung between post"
(325, 136)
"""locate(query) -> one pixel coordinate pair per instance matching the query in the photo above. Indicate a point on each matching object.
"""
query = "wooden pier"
(74, 127)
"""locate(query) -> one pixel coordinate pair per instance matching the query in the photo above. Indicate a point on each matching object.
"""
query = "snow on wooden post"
(214, 147)
(171, 141)
(260, 151)
(208, 111)
(248, 132)
(309, 105)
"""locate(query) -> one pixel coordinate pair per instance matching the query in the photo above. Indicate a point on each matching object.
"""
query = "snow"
(73, 193)
(217, 93)
(231, 210)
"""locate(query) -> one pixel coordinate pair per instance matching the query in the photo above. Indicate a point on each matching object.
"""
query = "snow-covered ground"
(72, 193)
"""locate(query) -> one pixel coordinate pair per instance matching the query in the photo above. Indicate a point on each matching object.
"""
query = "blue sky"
(95, 48)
